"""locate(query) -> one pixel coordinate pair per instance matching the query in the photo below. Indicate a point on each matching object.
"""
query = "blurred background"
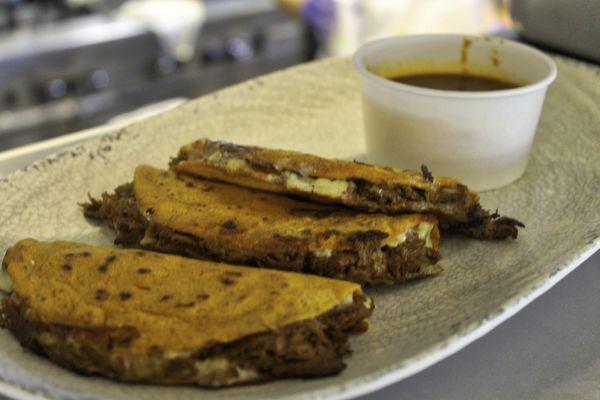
(68, 65)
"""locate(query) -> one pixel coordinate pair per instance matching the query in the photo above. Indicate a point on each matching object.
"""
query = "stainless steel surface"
(50, 76)
(77, 72)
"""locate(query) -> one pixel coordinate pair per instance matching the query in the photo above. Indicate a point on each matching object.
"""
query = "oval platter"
(316, 108)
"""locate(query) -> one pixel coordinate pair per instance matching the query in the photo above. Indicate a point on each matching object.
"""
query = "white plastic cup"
(481, 138)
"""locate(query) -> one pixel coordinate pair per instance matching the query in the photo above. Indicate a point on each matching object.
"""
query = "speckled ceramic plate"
(316, 108)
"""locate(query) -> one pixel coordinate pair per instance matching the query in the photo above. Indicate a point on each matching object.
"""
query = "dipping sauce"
(456, 82)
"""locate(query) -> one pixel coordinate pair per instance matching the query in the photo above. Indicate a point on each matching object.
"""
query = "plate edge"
(397, 374)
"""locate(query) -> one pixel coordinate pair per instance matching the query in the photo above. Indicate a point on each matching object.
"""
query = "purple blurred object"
(320, 17)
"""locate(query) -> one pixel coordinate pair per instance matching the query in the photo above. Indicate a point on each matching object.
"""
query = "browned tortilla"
(206, 219)
(132, 314)
(361, 186)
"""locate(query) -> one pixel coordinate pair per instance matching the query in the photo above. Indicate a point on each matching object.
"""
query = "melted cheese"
(206, 369)
(235, 164)
(323, 252)
(293, 181)
(348, 300)
(230, 164)
(5, 281)
(171, 355)
(215, 157)
(331, 188)
(423, 231)
(272, 178)
(148, 238)
(335, 188)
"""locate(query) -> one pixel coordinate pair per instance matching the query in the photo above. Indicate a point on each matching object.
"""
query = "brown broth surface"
(457, 82)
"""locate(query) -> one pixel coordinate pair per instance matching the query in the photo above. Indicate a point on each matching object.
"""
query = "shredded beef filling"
(452, 207)
(481, 224)
(365, 260)
(412, 199)
(309, 348)
(398, 264)
(120, 212)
